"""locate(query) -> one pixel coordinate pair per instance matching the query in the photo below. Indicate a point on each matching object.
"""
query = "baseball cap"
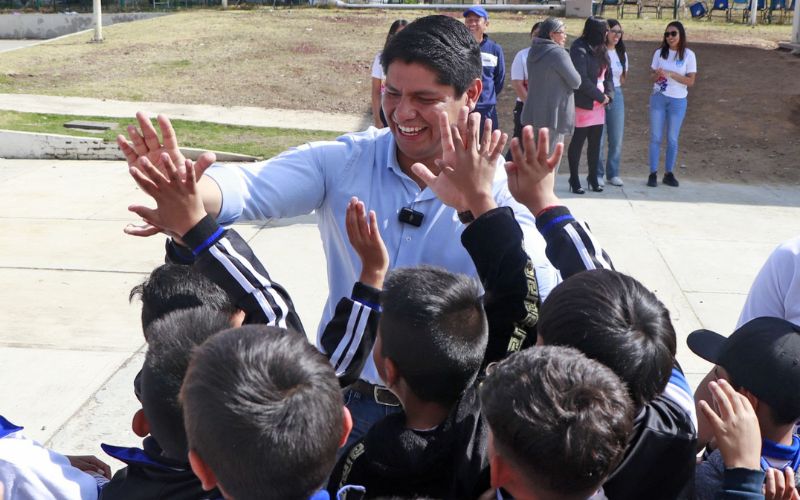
(762, 355)
(478, 11)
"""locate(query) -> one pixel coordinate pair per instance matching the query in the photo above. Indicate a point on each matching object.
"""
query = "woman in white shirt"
(673, 70)
(615, 111)
(378, 77)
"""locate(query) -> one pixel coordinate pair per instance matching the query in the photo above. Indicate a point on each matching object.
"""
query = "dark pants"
(488, 112)
(593, 133)
(517, 127)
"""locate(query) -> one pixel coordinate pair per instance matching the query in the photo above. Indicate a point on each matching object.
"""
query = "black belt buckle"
(384, 396)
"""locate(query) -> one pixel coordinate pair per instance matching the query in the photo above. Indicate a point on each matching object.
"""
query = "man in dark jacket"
(494, 65)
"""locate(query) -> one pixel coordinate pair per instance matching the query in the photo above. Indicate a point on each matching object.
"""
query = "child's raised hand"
(179, 206)
(531, 174)
(366, 240)
(735, 427)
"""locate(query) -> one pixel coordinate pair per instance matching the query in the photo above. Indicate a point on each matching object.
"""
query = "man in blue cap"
(494, 65)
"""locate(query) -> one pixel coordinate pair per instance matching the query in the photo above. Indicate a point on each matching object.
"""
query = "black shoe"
(652, 181)
(670, 180)
(575, 187)
(594, 184)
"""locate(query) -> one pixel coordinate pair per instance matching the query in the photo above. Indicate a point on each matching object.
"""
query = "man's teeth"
(410, 130)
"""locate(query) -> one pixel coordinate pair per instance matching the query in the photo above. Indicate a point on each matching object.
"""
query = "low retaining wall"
(30, 146)
(46, 26)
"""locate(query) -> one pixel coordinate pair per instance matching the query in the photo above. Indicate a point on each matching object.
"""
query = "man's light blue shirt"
(323, 176)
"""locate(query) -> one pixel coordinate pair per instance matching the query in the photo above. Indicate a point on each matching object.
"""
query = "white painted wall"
(45, 26)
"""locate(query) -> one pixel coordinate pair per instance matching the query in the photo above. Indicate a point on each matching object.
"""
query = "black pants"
(593, 133)
(517, 127)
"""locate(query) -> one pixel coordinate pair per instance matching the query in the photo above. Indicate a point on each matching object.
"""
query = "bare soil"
(742, 125)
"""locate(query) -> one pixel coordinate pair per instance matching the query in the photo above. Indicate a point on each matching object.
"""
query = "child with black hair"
(161, 468)
(761, 361)
(559, 423)
(264, 415)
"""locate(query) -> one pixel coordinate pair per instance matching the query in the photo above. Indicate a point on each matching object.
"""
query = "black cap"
(762, 356)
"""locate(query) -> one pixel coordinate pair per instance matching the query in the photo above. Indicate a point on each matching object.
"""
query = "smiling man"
(432, 66)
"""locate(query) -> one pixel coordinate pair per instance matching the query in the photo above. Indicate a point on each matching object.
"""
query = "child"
(264, 415)
(161, 469)
(559, 423)
(431, 339)
(761, 360)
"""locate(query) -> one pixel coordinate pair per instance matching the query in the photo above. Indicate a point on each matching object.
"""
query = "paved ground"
(71, 341)
(6, 45)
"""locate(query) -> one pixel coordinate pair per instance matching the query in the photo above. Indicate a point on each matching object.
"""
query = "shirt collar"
(7, 428)
(137, 456)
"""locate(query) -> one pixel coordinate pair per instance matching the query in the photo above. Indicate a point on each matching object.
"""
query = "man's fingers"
(424, 173)
(148, 131)
(204, 161)
(447, 135)
(138, 141)
(127, 149)
(167, 132)
(143, 230)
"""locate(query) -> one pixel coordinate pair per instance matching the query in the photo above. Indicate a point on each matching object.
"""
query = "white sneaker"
(600, 181)
(615, 181)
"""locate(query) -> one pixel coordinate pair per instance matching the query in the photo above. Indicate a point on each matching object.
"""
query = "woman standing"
(615, 111)
(590, 57)
(378, 77)
(674, 69)
(552, 75)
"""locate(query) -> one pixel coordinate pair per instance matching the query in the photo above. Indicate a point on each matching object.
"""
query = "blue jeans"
(612, 132)
(365, 412)
(667, 111)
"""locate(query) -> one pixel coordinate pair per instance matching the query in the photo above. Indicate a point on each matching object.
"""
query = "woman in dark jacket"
(553, 78)
(590, 58)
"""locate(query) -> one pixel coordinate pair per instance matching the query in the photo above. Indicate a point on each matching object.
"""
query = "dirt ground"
(742, 125)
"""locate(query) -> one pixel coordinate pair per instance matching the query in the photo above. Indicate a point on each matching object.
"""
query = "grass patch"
(262, 142)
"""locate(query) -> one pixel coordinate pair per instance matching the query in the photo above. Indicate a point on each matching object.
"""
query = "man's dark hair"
(263, 409)
(443, 45)
(433, 327)
(561, 419)
(169, 348)
(614, 319)
(171, 287)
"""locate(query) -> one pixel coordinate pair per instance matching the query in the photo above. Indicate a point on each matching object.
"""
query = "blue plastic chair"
(722, 5)
(761, 8)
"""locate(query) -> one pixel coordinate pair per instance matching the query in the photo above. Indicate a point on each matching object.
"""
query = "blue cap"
(478, 11)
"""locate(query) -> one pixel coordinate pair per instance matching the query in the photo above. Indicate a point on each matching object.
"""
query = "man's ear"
(347, 426)
(474, 93)
(203, 472)
(140, 425)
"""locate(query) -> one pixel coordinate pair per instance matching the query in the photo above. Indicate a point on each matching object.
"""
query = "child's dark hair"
(433, 327)
(561, 419)
(620, 47)
(171, 339)
(443, 45)
(171, 287)
(681, 43)
(264, 411)
(614, 319)
(594, 33)
(396, 26)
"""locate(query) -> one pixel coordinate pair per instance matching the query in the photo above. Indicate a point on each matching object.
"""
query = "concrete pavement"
(71, 342)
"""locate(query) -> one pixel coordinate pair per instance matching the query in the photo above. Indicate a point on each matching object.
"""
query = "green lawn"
(256, 141)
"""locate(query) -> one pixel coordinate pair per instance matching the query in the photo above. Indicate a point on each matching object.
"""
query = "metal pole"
(753, 12)
(98, 21)
(796, 23)
(675, 9)
(224, 4)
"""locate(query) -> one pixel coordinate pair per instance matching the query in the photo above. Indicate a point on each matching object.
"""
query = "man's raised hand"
(179, 206)
(467, 166)
(531, 174)
(366, 240)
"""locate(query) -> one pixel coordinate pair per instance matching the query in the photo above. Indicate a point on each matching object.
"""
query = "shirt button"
(408, 238)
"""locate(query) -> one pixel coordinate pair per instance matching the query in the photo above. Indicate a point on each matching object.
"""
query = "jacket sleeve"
(495, 244)
(349, 336)
(566, 69)
(226, 259)
(581, 59)
(741, 484)
(499, 71)
(608, 84)
(571, 247)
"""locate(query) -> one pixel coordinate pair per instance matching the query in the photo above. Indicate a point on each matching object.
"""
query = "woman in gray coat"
(552, 80)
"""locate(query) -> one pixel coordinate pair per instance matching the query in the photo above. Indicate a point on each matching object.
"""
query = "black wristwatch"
(466, 217)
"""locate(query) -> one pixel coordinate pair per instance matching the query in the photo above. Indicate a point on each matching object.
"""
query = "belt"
(377, 393)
